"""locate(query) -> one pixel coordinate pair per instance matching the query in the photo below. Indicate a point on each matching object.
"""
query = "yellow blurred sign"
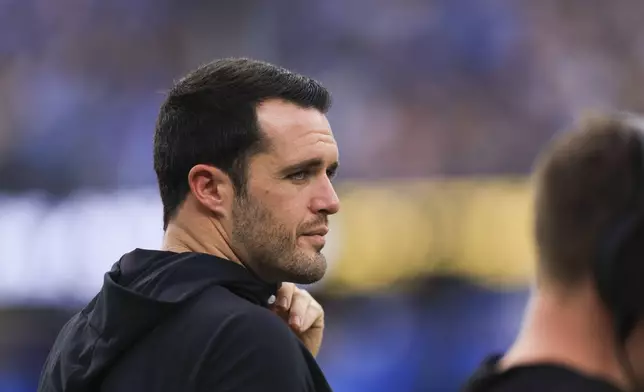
(392, 231)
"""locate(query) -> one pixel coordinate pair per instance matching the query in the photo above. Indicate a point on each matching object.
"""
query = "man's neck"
(569, 329)
(197, 235)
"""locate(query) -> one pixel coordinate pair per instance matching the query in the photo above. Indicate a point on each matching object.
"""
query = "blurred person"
(584, 327)
(244, 157)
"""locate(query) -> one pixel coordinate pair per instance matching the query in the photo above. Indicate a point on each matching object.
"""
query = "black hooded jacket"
(165, 321)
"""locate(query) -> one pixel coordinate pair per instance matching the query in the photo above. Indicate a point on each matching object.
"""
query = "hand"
(303, 314)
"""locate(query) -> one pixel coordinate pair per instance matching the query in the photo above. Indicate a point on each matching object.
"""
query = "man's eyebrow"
(309, 164)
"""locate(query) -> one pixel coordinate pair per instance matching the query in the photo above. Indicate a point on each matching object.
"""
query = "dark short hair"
(585, 182)
(209, 117)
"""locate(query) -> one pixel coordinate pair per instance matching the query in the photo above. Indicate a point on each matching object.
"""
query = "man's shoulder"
(250, 348)
(218, 341)
(536, 377)
(221, 314)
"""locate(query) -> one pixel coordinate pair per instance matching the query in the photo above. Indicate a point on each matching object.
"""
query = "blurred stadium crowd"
(423, 90)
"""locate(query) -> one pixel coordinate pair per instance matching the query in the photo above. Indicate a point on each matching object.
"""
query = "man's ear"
(211, 188)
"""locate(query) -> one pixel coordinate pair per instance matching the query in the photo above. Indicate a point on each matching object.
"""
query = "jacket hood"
(141, 289)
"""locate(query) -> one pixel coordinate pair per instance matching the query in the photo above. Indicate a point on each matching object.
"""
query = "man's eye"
(331, 173)
(299, 176)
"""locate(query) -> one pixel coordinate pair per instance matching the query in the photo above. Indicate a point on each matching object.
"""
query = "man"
(244, 157)
(583, 328)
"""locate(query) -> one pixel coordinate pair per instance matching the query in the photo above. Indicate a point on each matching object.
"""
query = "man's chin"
(306, 279)
(312, 272)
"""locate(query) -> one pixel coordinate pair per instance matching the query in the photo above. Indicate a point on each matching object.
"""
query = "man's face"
(279, 226)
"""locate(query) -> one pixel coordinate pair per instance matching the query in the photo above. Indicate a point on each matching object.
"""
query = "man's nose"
(327, 201)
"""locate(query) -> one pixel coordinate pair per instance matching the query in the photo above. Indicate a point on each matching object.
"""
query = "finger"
(301, 301)
(314, 317)
(284, 296)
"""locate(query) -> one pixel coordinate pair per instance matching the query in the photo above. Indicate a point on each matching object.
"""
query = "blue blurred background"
(439, 109)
